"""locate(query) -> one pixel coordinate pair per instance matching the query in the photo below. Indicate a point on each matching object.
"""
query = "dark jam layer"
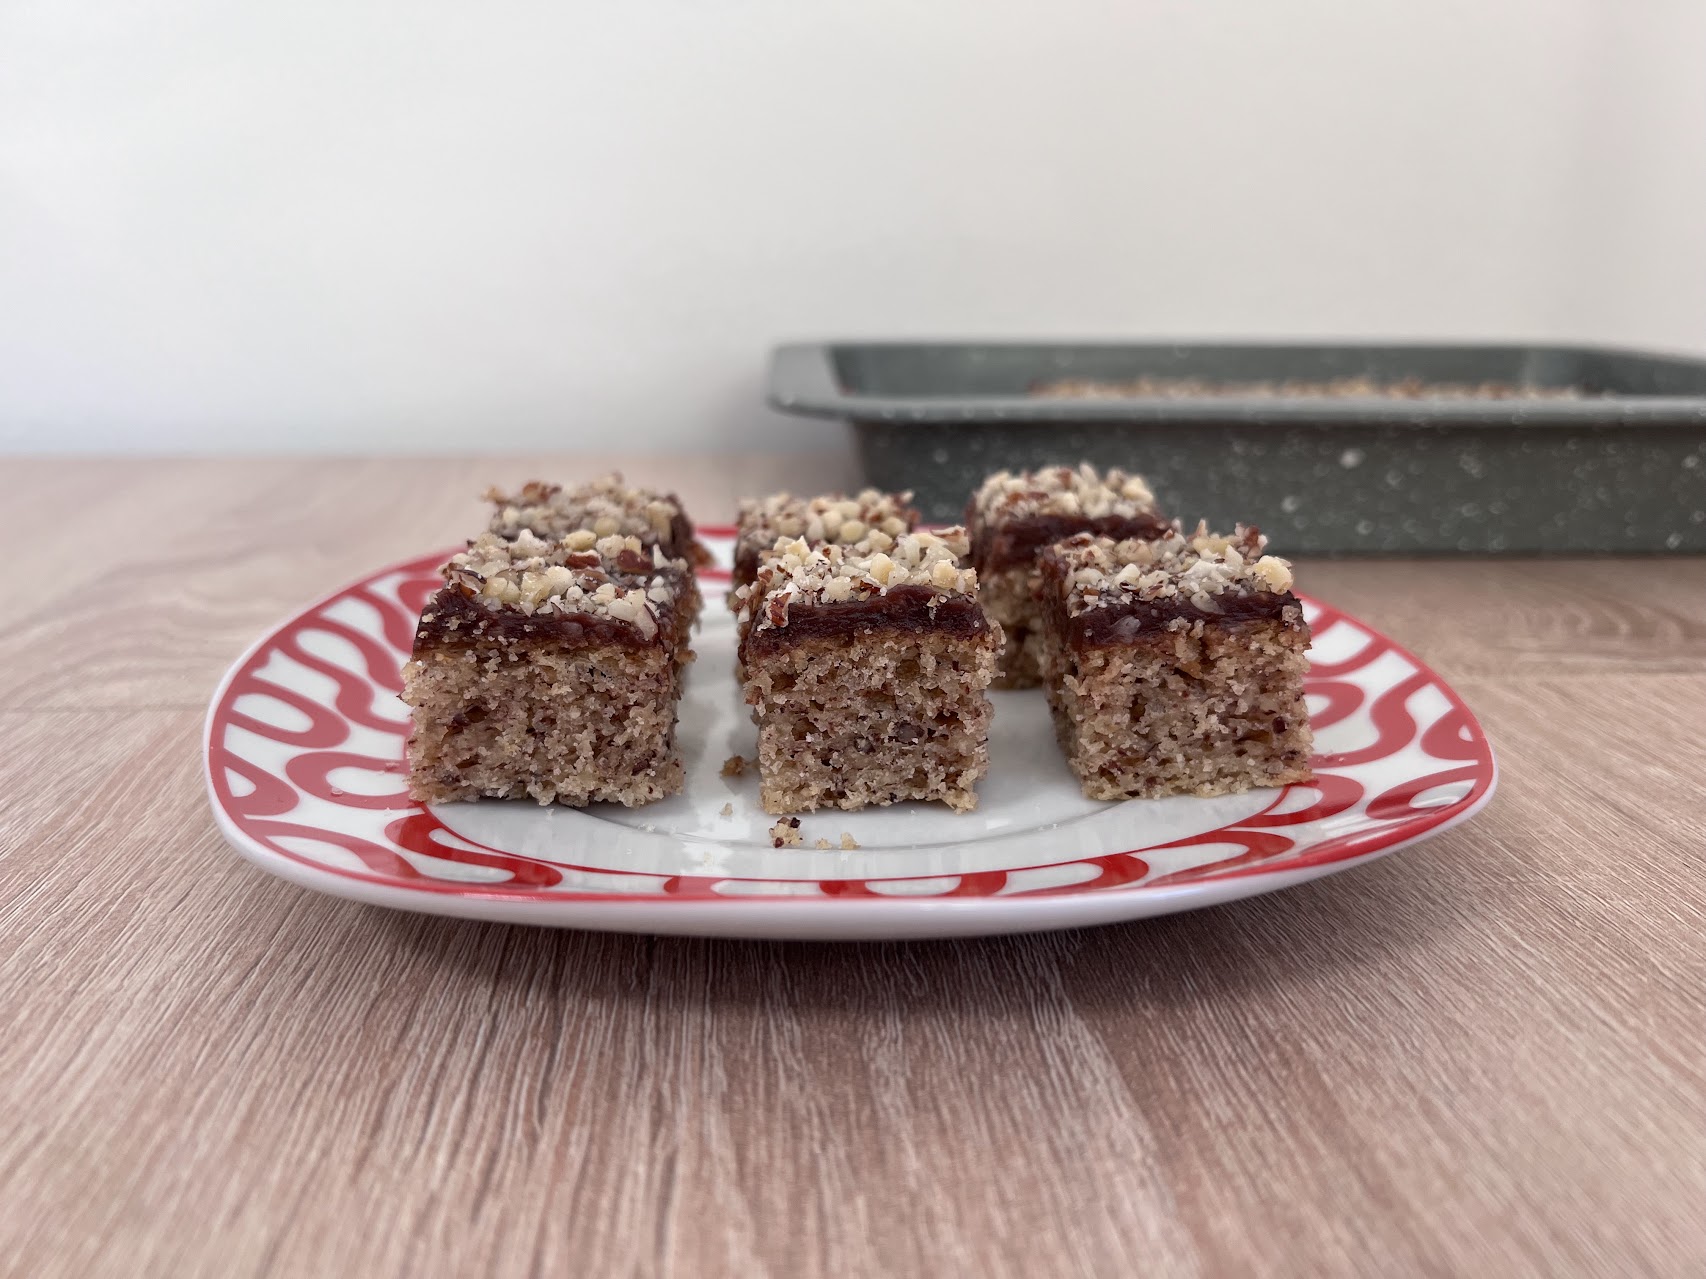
(911, 610)
(1017, 542)
(452, 618)
(746, 567)
(681, 544)
(1127, 621)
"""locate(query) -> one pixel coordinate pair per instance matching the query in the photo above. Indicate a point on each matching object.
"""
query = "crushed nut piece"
(848, 842)
(821, 843)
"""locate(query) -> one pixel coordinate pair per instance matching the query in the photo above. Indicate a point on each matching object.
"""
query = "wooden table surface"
(1483, 1056)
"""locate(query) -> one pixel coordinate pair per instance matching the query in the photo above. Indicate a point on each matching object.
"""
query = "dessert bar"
(867, 673)
(1012, 517)
(550, 667)
(1175, 665)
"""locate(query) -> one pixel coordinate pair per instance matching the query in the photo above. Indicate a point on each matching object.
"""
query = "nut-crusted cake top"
(797, 574)
(618, 578)
(1196, 568)
(1062, 490)
(830, 518)
(606, 506)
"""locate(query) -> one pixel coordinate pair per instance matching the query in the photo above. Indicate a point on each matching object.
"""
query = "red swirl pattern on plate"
(317, 779)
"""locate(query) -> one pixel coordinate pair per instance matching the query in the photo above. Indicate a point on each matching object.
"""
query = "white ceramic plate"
(304, 749)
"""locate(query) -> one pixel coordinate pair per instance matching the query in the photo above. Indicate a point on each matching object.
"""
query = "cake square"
(1012, 517)
(867, 673)
(1175, 665)
(830, 519)
(550, 668)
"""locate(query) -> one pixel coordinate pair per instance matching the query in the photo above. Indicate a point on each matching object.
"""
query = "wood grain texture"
(1482, 1056)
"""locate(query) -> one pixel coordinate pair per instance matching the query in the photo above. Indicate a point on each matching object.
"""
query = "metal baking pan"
(1621, 468)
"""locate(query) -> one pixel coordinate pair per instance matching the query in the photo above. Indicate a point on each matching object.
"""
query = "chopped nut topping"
(1198, 567)
(604, 507)
(794, 573)
(615, 577)
(823, 520)
(1062, 490)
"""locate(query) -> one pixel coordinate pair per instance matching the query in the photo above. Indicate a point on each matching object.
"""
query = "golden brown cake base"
(1209, 709)
(536, 720)
(874, 718)
(1009, 597)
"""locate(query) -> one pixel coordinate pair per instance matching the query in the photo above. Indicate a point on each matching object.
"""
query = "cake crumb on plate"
(848, 842)
(734, 766)
(728, 810)
(786, 833)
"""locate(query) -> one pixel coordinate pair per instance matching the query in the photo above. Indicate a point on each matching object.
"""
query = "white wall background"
(436, 226)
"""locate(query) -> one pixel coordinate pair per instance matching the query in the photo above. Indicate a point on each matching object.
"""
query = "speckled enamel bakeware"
(1622, 468)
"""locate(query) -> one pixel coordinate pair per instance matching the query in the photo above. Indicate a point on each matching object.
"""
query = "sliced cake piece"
(827, 520)
(867, 674)
(1175, 665)
(1012, 517)
(550, 668)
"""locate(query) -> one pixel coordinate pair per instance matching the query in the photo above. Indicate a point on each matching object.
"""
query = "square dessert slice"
(1175, 665)
(1011, 518)
(827, 520)
(550, 668)
(867, 672)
